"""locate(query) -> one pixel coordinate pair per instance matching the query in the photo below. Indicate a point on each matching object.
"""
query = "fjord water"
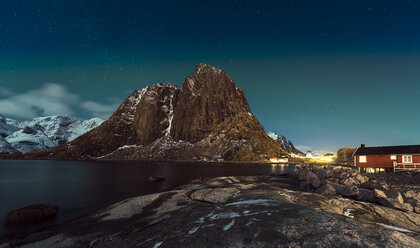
(81, 187)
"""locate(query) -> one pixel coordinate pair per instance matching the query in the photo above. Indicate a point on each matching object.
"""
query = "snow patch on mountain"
(5, 146)
(5, 128)
(130, 105)
(30, 139)
(287, 145)
(42, 132)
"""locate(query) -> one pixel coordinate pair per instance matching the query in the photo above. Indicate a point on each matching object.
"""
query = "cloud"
(5, 92)
(102, 111)
(51, 99)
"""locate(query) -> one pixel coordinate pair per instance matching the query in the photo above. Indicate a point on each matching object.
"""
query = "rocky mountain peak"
(206, 68)
(208, 97)
(209, 117)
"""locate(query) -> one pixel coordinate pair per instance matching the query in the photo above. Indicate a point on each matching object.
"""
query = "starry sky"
(325, 74)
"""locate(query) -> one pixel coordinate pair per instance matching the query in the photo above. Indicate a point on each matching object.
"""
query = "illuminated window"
(393, 157)
(362, 159)
(407, 159)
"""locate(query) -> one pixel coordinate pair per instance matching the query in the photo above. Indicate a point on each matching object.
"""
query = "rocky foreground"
(234, 212)
(395, 190)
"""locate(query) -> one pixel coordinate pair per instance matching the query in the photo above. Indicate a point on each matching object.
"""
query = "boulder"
(312, 179)
(394, 194)
(391, 199)
(326, 189)
(360, 179)
(316, 183)
(343, 176)
(31, 214)
(324, 173)
(412, 194)
(379, 193)
(296, 171)
(375, 184)
(366, 195)
(217, 195)
(349, 182)
(302, 174)
(332, 180)
(343, 190)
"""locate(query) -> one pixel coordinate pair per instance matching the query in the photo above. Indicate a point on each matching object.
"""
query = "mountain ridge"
(41, 133)
(208, 118)
(287, 145)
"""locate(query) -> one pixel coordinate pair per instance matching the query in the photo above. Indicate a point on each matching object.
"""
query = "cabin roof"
(388, 150)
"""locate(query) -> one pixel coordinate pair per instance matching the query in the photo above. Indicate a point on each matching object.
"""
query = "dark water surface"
(81, 187)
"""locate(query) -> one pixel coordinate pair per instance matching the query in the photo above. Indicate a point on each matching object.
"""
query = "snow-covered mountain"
(41, 133)
(5, 146)
(6, 128)
(287, 145)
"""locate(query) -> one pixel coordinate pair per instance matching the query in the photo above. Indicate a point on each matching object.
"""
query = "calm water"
(79, 188)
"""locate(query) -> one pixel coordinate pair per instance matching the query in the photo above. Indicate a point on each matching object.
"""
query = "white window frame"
(407, 159)
(362, 159)
(393, 157)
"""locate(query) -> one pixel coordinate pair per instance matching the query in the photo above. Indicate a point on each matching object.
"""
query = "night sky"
(326, 74)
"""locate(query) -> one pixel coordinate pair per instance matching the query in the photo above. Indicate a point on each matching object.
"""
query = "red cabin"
(397, 157)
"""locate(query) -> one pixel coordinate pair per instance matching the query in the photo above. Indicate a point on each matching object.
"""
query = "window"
(362, 159)
(407, 159)
(393, 157)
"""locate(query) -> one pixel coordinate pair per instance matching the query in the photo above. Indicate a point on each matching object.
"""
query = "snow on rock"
(130, 105)
(228, 226)
(30, 139)
(5, 128)
(287, 145)
(5, 146)
(43, 132)
(396, 228)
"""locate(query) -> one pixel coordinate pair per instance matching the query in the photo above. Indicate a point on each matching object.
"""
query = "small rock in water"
(31, 214)
(157, 178)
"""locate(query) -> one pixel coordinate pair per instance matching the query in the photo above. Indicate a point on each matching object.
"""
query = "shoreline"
(228, 206)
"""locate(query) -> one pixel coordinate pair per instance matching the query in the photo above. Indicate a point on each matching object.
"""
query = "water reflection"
(281, 169)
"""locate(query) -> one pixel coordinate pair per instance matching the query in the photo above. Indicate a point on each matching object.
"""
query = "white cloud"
(51, 99)
(102, 111)
(5, 92)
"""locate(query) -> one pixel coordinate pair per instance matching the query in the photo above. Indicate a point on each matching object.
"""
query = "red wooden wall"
(382, 161)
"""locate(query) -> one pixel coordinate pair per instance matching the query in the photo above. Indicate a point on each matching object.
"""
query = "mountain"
(287, 145)
(41, 133)
(5, 146)
(6, 128)
(208, 118)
